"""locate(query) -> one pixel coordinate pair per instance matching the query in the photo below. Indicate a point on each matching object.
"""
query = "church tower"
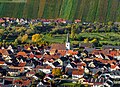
(68, 42)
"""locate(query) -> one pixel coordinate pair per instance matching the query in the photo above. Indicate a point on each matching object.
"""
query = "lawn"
(104, 38)
(70, 84)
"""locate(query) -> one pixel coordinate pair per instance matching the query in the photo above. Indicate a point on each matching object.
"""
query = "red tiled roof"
(38, 56)
(21, 82)
(80, 67)
(105, 52)
(115, 53)
(4, 51)
(17, 81)
(62, 52)
(31, 72)
(22, 64)
(31, 55)
(2, 62)
(43, 67)
(48, 57)
(77, 71)
(26, 83)
(71, 52)
(81, 64)
(22, 54)
(55, 56)
(105, 61)
(113, 66)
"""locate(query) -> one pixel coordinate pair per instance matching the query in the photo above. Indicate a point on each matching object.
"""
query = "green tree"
(30, 31)
(40, 74)
(73, 31)
(1, 31)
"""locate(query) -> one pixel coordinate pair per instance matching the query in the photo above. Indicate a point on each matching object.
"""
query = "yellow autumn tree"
(86, 40)
(93, 41)
(24, 38)
(36, 37)
(56, 71)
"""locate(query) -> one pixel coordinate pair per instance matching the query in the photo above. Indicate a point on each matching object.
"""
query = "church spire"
(68, 42)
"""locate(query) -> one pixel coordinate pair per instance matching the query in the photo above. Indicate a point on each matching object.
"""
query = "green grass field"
(86, 10)
(106, 38)
(70, 85)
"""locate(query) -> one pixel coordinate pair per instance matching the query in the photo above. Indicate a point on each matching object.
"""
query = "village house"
(77, 73)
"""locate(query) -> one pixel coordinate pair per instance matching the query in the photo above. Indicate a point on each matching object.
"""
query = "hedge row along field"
(86, 10)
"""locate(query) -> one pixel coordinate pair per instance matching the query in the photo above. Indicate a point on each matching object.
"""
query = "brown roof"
(105, 61)
(18, 68)
(4, 51)
(81, 64)
(31, 72)
(43, 67)
(58, 46)
(77, 71)
(22, 83)
(9, 79)
(105, 52)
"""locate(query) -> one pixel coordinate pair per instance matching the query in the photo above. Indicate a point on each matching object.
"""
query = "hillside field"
(86, 10)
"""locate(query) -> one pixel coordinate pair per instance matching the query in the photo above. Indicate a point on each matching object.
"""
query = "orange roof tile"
(31, 55)
(62, 52)
(2, 62)
(26, 83)
(114, 53)
(22, 54)
(4, 51)
(71, 52)
(113, 66)
(22, 64)
(38, 56)
(105, 61)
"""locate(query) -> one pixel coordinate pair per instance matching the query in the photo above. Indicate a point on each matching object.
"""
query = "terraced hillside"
(86, 10)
